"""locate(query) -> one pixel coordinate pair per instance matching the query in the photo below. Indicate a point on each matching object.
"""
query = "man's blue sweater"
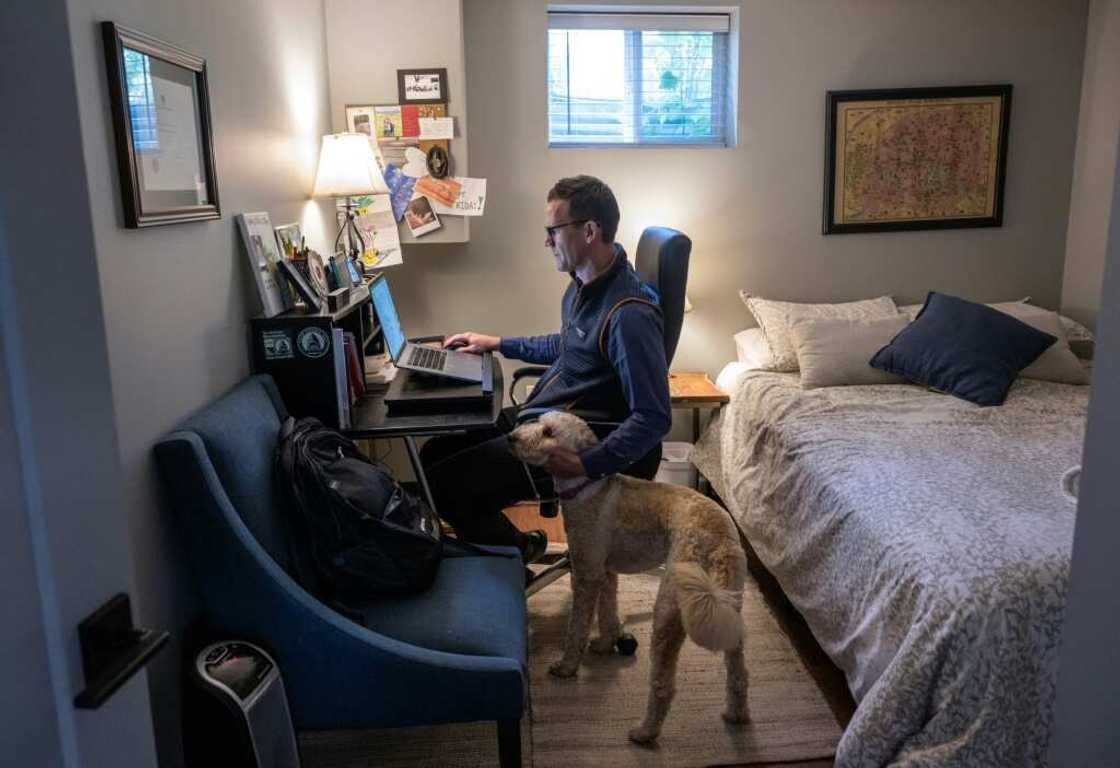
(609, 358)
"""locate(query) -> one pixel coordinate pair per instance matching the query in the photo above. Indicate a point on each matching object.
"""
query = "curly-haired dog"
(621, 524)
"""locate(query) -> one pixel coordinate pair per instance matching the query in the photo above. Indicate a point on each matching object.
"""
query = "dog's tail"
(709, 611)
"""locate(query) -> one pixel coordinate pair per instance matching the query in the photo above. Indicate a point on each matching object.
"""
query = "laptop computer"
(461, 366)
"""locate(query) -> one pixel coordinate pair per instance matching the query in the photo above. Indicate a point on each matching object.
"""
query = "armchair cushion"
(464, 611)
(240, 433)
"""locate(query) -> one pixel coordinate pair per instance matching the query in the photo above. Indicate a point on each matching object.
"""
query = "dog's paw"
(602, 645)
(563, 668)
(643, 735)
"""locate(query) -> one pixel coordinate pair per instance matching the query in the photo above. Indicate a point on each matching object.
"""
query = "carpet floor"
(584, 721)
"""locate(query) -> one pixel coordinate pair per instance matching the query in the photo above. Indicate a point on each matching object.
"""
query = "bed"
(926, 542)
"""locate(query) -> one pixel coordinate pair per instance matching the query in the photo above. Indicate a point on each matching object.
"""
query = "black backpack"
(355, 533)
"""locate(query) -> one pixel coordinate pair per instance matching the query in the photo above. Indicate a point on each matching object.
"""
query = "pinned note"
(437, 127)
(470, 202)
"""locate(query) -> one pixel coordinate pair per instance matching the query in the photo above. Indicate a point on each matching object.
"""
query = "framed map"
(915, 158)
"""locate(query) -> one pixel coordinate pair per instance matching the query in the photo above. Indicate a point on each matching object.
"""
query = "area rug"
(583, 721)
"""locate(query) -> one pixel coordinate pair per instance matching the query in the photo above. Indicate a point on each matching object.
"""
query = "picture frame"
(289, 238)
(360, 118)
(162, 126)
(906, 159)
(422, 86)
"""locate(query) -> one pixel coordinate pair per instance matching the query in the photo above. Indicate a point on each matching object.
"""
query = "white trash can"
(676, 465)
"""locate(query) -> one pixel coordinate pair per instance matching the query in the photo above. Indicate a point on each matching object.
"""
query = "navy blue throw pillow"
(966, 349)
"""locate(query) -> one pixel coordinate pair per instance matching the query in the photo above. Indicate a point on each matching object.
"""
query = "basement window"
(640, 78)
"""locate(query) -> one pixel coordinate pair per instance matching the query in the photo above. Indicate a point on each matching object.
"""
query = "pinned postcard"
(400, 189)
(420, 217)
(387, 122)
(437, 127)
(444, 191)
(379, 233)
(470, 202)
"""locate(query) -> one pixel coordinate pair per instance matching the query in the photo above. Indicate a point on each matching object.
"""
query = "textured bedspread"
(927, 544)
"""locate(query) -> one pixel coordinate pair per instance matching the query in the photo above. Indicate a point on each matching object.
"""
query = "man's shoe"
(534, 546)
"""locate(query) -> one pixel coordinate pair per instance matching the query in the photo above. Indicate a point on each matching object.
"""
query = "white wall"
(177, 297)
(1094, 167)
(753, 211)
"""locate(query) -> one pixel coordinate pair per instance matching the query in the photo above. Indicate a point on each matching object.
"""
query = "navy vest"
(582, 378)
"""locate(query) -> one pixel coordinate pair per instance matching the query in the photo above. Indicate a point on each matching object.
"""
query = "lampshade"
(348, 167)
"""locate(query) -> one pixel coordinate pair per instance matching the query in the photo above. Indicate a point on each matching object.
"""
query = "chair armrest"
(337, 673)
(525, 372)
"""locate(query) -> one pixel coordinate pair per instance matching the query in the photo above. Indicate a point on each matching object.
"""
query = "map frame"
(928, 169)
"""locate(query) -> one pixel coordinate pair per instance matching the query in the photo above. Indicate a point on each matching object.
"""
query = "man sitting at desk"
(609, 358)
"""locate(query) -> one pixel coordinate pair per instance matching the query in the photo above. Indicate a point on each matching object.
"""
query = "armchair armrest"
(525, 372)
(337, 673)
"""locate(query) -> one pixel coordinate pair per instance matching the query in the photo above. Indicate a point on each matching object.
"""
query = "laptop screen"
(387, 316)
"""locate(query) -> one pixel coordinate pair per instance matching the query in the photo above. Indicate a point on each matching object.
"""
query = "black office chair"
(662, 262)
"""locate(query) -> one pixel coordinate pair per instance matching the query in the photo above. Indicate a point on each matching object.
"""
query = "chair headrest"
(662, 261)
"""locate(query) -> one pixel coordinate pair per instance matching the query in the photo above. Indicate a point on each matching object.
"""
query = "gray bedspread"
(927, 544)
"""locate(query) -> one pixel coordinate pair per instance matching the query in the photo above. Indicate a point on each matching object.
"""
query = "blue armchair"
(454, 653)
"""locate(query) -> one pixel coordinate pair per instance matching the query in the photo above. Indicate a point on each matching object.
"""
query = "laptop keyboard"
(427, 357)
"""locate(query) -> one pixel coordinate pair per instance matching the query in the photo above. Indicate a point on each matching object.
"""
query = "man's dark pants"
(474, 477)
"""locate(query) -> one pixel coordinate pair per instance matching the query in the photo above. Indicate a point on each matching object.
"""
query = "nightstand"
(695, 391)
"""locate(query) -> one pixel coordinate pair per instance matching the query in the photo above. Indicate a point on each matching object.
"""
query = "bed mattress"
(926, 542)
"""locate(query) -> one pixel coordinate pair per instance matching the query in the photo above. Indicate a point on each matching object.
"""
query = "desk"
(370, 420)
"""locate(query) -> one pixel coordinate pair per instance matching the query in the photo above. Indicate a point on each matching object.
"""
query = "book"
(341, 382)
(354, 368)
(259, 240)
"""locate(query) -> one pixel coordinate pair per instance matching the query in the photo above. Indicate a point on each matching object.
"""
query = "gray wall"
(753, 211)
(1087, 708)
(64, 544)
(1094, 166)
(177, 297)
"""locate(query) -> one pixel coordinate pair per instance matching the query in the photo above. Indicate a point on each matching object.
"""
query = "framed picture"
(290, 239)
(915, 158)
(161, 121)
(422, 86)
(360, 119)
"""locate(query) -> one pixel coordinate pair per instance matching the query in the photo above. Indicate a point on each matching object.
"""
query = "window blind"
(638, 78)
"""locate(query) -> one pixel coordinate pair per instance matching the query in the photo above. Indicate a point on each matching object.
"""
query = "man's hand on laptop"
(472, 342)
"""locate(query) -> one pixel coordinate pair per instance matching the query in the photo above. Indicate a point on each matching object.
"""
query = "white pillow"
(752, 350)
(774, 318)
(835, 352)
(1057, 363)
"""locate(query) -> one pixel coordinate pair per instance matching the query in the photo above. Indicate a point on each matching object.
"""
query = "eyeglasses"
(550, 232)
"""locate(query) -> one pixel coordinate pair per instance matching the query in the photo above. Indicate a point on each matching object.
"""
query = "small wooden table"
(695, 390)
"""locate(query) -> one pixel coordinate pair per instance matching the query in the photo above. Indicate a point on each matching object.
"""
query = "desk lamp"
(348, 167)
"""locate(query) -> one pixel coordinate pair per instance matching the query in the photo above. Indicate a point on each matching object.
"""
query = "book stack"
(379, 371)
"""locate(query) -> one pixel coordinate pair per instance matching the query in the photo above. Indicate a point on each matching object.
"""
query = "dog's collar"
(567, 494)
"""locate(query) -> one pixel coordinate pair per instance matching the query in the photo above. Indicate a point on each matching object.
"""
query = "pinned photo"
(420, 217)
